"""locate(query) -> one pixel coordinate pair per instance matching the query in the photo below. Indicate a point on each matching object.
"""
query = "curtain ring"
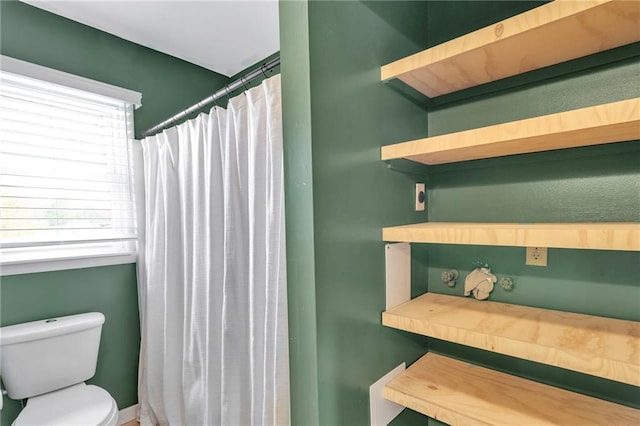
(262, 70)
(226, 90)
(243, 85)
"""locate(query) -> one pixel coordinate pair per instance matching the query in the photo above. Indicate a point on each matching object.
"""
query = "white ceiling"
(225, 36)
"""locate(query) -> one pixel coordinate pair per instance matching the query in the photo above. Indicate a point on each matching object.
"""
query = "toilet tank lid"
(50, 327)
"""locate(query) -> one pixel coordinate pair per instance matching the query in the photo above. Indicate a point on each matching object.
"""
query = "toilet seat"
(81, 405)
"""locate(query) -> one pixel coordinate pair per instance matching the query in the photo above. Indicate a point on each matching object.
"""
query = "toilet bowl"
(77, 405)
(48, 362)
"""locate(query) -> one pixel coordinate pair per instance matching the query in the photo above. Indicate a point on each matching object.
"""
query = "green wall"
(168, 85)
(301, 283)
(339, 195)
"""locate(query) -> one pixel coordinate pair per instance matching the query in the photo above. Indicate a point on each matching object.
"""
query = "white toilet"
(47, 362)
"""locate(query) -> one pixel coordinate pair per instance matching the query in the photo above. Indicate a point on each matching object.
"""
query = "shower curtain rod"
(225, 91)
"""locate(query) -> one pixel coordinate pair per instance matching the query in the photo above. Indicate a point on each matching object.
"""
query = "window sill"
(60, 264)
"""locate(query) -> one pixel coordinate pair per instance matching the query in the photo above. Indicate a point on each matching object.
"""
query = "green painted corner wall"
(168, 85)
(339, 195)
(348, 114)
(355, 195)
(301, 283)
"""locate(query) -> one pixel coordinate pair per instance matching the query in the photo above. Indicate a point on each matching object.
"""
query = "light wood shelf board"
(595, 236)
(458, 393)
(600, 124)
(602, 347)
(550, 34)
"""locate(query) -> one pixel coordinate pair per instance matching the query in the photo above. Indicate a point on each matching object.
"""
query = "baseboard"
(128, 414)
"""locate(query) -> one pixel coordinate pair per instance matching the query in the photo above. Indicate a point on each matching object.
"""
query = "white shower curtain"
(212, 278)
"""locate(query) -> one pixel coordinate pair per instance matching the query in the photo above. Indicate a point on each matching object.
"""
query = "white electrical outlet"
(536, 256)
(421, 197)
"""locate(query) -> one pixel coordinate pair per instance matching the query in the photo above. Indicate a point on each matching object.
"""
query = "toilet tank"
(42, 356)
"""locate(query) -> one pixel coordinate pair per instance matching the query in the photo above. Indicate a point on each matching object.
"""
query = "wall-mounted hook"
(480, 282)
(506, 283)
(449, 277)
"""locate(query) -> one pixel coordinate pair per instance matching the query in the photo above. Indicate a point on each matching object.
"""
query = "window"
(66, 180)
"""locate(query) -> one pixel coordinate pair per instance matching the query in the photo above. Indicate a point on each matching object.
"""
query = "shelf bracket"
(397, 274)
(383, 411)
(407, 167)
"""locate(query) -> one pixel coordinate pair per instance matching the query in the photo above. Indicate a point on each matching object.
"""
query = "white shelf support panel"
(397, 274)
(382, 411)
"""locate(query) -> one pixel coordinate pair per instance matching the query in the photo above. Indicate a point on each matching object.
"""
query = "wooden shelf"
(595, 236)
(601, 124)
(458, 393)
(547, 35)
(602, 347)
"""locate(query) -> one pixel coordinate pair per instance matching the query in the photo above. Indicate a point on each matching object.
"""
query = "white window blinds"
(65, 172)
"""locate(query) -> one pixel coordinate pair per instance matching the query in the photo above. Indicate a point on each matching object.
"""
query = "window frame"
(61, 260)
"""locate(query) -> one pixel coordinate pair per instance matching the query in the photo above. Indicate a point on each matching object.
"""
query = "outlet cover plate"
(536, 256)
